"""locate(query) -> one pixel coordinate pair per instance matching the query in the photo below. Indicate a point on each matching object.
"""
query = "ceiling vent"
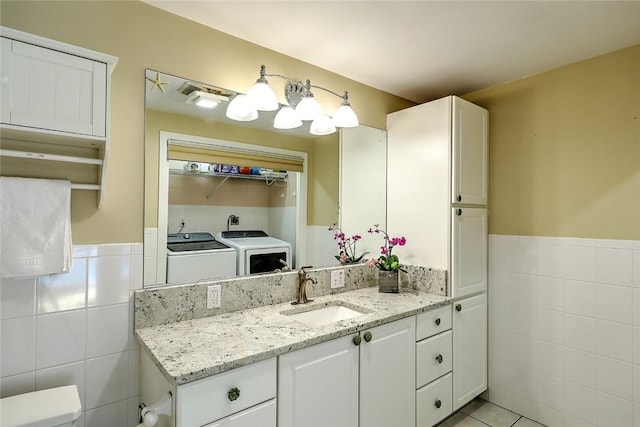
(187, 88)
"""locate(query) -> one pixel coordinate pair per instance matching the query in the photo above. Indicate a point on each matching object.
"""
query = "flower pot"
(388, 281)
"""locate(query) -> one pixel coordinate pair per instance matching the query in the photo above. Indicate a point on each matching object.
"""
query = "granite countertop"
(193, 349)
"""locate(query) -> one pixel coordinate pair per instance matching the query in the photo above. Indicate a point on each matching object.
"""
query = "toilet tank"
(54, 407)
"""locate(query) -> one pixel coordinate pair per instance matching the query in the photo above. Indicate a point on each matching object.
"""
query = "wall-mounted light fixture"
(205, 99)
(302, 106)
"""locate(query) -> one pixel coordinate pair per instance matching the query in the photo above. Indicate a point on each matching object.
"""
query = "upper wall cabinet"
(52, 90)
(55, 95)
(470, 132)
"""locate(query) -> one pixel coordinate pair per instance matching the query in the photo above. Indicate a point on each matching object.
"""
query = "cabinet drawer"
(433, 358)
(433, 402)
(433, 322)
(201, 402)
(263, 415)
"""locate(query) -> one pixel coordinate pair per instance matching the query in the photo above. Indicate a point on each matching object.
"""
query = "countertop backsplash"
(169, 304)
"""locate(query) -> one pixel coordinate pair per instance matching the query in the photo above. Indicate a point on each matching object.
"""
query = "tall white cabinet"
(437, 195)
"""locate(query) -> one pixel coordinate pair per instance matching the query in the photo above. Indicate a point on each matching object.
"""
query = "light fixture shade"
(263, 97)
(345, 117)
(287, 118)
(308, 108)
(241, 109)
(322, 125)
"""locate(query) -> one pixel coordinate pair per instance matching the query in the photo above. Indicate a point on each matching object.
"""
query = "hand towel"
(35, 227)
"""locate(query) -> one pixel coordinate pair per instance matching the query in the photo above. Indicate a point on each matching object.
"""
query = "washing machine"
(257, 252)
(193, 257)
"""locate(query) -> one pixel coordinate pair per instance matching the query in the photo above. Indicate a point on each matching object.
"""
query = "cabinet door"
(55, 91)
(469, 155)
(469, 349)
(468, 251)
(263, 415)
(318, 385)
(387, 375)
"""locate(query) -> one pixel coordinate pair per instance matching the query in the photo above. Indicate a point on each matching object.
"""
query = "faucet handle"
(285, 265)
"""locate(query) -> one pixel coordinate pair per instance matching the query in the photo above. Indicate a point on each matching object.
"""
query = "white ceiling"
(421, 50)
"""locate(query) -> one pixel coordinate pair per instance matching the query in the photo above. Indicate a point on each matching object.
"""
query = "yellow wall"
(142, 36)
(565, 150)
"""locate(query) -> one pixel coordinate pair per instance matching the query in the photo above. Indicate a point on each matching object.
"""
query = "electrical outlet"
(214, 296)
(235, 220)
(337, 279)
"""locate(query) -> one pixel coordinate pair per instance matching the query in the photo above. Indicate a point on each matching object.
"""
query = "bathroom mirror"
(206, 202)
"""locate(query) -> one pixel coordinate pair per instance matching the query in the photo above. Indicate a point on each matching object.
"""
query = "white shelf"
(52, 157)
(265, 178)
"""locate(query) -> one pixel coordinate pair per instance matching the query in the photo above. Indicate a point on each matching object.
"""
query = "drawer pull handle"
(458, 307)
(234, 394)
(459, 212)
(368, 336)
(357, 340)
(439, 358)
(438, 321)
(459, 198)
(438, 403)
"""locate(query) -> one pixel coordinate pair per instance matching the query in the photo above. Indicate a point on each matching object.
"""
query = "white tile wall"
(76, 328)
(564, 329)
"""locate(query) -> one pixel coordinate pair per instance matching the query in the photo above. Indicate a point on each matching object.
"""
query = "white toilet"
(54, 407)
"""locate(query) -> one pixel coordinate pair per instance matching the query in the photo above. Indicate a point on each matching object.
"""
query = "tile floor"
(480, 413)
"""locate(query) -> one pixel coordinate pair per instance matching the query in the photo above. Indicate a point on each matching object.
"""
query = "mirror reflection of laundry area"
(226, 220)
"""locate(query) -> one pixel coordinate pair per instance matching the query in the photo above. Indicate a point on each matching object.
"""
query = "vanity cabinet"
(434, 362)
(470, 349)
(368, 377)
(54, 104)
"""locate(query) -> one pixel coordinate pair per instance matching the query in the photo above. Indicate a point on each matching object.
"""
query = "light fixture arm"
(345, 97)
(298, 87)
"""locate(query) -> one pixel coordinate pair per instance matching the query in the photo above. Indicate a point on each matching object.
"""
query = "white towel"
(35, 227)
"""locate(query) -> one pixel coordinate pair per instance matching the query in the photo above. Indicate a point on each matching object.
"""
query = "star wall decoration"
(157, 82)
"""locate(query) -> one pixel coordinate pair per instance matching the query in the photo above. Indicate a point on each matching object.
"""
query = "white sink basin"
(324, 314)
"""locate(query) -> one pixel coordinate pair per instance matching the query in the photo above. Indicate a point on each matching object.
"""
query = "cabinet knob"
(368, 336)
(357, 340)
(459, 198)
(438, 321)
(458, 307)
(234, 394)
(439, 358)
(438, 403)
(458, 212)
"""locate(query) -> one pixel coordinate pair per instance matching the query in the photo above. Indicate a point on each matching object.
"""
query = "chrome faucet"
(302, 286)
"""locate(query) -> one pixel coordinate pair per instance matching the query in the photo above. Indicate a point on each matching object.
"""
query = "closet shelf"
(267, 178)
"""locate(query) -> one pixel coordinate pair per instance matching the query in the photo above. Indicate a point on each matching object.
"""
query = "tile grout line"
(516, 421)
(480, 421)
